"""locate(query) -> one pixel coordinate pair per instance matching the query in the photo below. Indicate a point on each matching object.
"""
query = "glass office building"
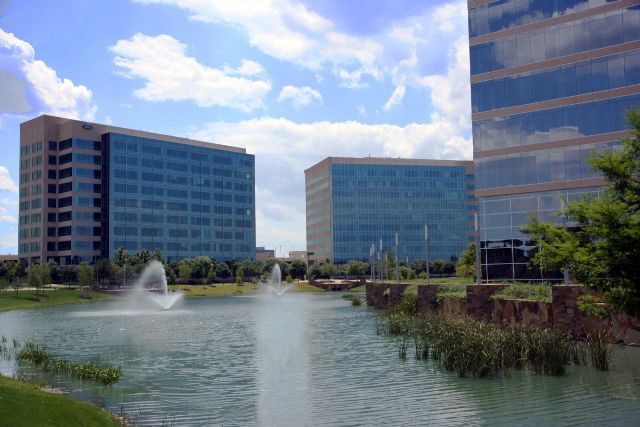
(88, 189)
(550, 84)
(353, 203)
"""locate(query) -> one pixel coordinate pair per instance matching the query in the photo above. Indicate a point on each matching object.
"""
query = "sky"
(291, 81)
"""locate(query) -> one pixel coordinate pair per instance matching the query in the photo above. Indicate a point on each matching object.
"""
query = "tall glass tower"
(550, 83)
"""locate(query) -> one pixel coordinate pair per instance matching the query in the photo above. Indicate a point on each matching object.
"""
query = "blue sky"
(291, 81)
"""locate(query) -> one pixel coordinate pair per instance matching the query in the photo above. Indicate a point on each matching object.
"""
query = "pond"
(299, 359)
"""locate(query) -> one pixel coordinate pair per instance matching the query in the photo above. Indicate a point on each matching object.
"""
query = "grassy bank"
(29, 299)
(25, 404)
(220, 289)
(414, 283)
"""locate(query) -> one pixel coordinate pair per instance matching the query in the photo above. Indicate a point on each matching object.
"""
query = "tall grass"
(451, 291)
(32, 352)
(355, 299)
(480, 349)
(599, 348)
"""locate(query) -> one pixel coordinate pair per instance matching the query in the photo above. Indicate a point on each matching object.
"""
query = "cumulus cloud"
(170, 74)
(395, 98)
(299, 96)
(289, 31)
(284, 149)
(33, 86)
(6, 183)
(9, 210)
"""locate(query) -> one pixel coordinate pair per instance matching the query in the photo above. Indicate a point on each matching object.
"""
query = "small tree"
(85, 276)
(186, 270)
(239, 276)
(121, 259)
(104, 269)
(357, 268)
(466, 266)
(33, 277)
(143, 256)
(157, 255)
(298, 269)
(438, 267)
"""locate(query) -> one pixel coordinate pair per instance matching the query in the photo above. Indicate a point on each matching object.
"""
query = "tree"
(85, 276)
(328, 270)
(224, 272)
(466, 266)
(298, 269)
(599, 243)
(357, 268)
(250, 269)
(438, 267)
(239, 276)
(419, 265)
(186, 270)
(121, 259)
(104, 269)
(200, 267)
(157, 255)
(143, 256)
(33, 277)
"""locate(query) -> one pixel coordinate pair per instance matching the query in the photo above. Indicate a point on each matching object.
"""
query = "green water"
(300, 360)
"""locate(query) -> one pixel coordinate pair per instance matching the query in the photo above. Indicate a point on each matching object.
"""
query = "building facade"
(264, 254)
(352, 203)
(88, 189)
(550, 84)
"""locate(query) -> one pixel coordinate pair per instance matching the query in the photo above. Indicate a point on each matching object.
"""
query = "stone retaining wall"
(382, 295)
(520, 311)
(562, 312)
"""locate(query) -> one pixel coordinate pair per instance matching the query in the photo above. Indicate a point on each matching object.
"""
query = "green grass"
(414, 283)
(25, 404)
(224, 289)
(9, 300)
(525, 291)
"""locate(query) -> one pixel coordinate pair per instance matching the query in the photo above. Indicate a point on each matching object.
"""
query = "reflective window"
(607, 29)
(595, 75)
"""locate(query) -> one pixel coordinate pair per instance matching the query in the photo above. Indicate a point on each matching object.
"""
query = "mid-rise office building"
(87, 189)
(352, 203)
(550, 84)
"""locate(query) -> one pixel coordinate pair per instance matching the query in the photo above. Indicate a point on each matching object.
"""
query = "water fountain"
(275, 282)
(146, 287)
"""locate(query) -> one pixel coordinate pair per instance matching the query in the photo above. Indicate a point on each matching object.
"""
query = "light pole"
(397, 258)
(380, 260)
(426, 251)
(478, 267)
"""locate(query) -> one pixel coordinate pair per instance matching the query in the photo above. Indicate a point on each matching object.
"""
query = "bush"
(593, 306)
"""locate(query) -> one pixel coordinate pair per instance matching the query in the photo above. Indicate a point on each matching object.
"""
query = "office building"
(88, 189)
(550, 84)
(264, 254)
(352, 203)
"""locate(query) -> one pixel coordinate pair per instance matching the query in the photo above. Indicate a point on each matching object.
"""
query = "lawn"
(224, 289)
(25, 404)
(413, 284)
(9, 300)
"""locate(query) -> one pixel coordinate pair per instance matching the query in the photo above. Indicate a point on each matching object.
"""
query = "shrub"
(593, 306)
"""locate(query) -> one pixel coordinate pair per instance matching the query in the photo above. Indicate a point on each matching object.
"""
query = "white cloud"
(172, 75)
(395, 98)
(288, 31)
(246, 68)
(55, 95)
(299, 96)
(9, 242)
(6, 183)
(9, 210)
(284, 149)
